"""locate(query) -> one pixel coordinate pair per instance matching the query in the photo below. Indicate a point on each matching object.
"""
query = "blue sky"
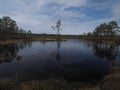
(78, 16)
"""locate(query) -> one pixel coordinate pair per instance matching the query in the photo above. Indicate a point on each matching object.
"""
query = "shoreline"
(8, 42)
(102, 41)
(52, 40)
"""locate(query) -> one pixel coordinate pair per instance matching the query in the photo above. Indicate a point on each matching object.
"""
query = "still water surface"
(70, 60)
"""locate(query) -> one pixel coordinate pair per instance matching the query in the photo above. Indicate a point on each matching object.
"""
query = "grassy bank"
(110, 82)
(50, 84)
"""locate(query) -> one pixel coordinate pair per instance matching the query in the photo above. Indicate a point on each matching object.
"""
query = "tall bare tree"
(58, 26)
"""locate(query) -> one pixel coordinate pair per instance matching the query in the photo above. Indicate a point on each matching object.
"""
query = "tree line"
(105, 31)
(10, 30)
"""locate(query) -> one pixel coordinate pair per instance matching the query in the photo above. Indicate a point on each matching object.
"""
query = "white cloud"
(116, 10)
(39, 16)
(71, 14)
(70, 3)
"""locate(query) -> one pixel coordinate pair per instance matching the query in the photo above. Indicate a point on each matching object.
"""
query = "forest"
(9, 30)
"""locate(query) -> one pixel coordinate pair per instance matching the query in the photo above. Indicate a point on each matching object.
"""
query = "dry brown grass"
(8, 42)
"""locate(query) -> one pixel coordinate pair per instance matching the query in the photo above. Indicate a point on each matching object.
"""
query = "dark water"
(69, 60)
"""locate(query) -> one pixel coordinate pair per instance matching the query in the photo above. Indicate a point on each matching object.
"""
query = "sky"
(77, 16)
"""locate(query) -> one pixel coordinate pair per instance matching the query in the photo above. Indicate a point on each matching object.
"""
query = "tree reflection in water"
(9, 52)
(58, 56)
(103, 50)
(57, 53)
